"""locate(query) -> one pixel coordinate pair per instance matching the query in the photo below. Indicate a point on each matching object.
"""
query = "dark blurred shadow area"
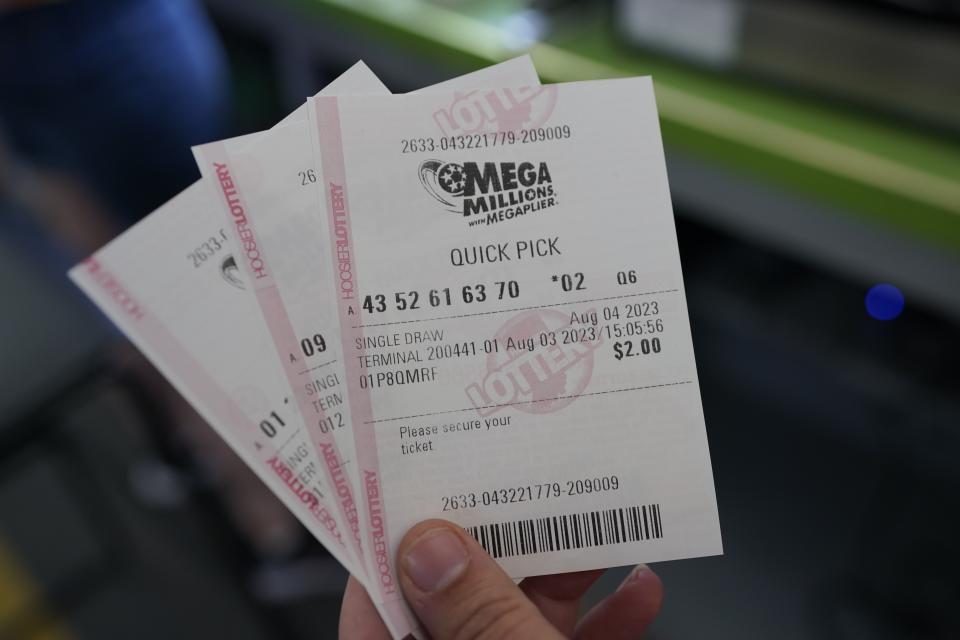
(814, 157)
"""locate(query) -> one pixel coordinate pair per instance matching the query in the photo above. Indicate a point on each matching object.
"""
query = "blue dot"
(884, 302)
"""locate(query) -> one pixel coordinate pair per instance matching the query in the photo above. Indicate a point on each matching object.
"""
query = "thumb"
(459, 592)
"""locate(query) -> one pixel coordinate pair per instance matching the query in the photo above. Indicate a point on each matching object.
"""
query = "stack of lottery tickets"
(464, 303)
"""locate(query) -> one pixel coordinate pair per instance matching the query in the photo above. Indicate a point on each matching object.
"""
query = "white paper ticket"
(269, 197)
(173, 285)
(514, 327)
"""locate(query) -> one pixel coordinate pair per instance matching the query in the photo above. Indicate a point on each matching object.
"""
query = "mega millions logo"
(485, 193)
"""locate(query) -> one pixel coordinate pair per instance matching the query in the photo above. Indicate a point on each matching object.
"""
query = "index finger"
(359, 619)
(558, 596)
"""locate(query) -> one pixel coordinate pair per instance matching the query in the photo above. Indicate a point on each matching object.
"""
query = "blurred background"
(813, 149)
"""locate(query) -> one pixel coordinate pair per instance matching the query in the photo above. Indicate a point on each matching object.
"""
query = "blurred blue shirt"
(114, 92)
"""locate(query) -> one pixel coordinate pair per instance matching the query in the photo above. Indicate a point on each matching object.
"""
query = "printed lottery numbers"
(313, 345)
(207, 249)
(445, 297)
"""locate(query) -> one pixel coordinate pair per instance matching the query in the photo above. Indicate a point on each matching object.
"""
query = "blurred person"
(459, 592)
(112, 93)
(100, 102)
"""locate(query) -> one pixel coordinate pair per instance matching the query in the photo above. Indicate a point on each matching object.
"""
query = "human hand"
(460, 593)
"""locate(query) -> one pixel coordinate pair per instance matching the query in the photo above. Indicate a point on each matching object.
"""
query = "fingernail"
(435, 560)
(634, 575)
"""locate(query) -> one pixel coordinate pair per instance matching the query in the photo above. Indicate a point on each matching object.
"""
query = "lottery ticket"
(171, 284)
(514, 330)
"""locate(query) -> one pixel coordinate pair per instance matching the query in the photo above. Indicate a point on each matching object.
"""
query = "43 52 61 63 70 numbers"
(445, 297)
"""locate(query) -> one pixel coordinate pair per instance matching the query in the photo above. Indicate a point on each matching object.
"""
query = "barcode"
(570, 531)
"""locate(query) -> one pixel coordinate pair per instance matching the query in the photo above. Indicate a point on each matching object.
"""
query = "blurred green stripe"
(923, 206)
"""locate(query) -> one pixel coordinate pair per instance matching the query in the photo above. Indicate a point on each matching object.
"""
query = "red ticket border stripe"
(274, 312)
(380, 563)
